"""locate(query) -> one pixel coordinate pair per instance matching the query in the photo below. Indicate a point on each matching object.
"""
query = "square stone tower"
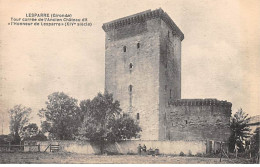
(143, 67)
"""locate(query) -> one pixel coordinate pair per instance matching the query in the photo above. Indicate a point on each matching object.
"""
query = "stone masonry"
(143, 71)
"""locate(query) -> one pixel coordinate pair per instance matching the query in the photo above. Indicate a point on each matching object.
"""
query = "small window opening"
(137, 116)
(130, 88)
(138, 45)
(172, 124)
(124, 48)
(170, 93)
(168, 34)
(186, 121)
(131, 65)
(165, 87)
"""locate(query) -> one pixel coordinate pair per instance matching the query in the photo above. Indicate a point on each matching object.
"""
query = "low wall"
(124, 147)
(165, 147)
(83, 147)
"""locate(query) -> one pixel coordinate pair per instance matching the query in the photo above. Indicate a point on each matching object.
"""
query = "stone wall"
(134, 57)
(82, 147)
(170, 72)
(165, 147)
(198, 119)
(125, 147)
(143, 76)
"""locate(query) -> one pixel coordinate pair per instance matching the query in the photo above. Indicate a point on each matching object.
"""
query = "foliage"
(181, 154)
(103, 121)
(62, 116)
(32, 132)
(255, 142)
(39, 137)
(123, 128)
(239, 130)
(29, 131)
(19, 117)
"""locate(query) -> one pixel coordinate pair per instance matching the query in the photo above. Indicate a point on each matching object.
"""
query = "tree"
(32, 132)
(255, 142)
(19, 117)
(103, 121)
(29, 131)
(123, 128)
(239, 130)
(62, 116)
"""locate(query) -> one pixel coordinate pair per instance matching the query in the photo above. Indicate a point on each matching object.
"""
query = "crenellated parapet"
(142, 17)
(200, 102)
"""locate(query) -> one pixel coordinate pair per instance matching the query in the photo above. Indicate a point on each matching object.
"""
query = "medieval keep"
(143, 71)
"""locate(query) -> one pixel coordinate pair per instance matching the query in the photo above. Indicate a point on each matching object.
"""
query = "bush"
(131, 153)
(182, 154)
(198, 155)
(113, 153)
(190, 153)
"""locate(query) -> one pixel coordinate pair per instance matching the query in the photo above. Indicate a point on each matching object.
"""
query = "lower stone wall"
(81, 147)
(165, 147)
(125, 147)
(198, 119)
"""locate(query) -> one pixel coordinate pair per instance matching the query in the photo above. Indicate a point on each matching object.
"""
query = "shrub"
(113, 153)
(131, 153)
(198, 155)
(182, 154)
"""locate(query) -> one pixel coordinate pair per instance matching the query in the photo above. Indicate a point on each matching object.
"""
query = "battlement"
(199, 102)
(142, 17)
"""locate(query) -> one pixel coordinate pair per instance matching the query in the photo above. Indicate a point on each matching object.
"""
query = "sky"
(220, 51)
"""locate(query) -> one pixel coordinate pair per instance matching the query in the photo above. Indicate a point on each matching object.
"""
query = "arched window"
(130, 88)
(138, 45)
(130, 66)
(124, 48)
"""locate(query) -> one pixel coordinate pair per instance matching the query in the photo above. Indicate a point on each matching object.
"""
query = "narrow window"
(186, 121)
(130, 88)
(138, 45)
(137, 116)
(165, 88)
(170, 93)
(168, 34)
(130, 66)
(124, 48)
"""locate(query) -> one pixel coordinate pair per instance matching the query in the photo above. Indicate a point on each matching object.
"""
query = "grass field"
(73, 158)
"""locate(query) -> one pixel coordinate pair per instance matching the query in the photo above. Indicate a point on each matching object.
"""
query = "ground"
(63, 158)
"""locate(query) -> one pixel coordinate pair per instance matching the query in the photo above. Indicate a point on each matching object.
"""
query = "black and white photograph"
(129, 82)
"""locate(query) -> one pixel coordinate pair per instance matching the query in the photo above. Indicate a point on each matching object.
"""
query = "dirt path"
(71, 158)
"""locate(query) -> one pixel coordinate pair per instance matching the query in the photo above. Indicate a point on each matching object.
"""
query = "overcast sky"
(220, 52)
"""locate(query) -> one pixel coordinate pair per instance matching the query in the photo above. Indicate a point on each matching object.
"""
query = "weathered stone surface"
(198, 119)
(143, 51)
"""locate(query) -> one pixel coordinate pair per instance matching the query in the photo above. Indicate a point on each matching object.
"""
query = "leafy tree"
(39, 136)
(32, 132)
(62, 116)
(123, 128)
(255, 142)
(239, 130)
(103, 121)
(19, 117)
(29, 131)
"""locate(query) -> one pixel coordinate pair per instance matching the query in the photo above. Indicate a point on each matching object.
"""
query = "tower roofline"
(142, 17)
(199, 102)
